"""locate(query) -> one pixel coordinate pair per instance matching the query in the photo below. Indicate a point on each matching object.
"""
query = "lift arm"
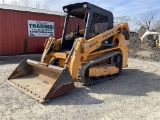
(83, 48)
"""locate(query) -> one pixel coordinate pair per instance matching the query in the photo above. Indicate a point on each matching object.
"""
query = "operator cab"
(84, 20)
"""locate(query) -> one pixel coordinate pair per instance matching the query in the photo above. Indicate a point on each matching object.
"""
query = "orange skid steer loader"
(91, 50)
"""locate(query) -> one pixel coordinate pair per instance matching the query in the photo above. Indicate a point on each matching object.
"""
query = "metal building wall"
(14, 29)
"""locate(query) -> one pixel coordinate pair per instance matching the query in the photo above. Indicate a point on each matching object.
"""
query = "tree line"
(27, 3)
(150, 20)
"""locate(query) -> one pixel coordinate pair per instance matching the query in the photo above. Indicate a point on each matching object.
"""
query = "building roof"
(27, 9)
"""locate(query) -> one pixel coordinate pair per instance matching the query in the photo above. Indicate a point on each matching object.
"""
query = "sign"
(40, 28)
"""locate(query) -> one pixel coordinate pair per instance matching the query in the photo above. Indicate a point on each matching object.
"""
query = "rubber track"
(85, 66)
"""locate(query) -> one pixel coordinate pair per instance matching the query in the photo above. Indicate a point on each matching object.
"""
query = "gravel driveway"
(135, 95)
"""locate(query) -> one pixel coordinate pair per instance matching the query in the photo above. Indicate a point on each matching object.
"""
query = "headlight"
(85, 5)
(65, 10)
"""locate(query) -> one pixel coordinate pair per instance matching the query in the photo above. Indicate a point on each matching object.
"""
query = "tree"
(156, 25)
(141, 31)
(44, 6)
(122, 19)
(146, 19)
(3, 1)
(25, 3)
(28, 3)
(38, 5)
(14, 3)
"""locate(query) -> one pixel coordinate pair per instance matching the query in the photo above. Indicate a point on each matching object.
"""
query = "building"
(24, 30)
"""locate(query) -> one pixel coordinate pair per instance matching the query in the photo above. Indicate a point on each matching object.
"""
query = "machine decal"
(108, 34)
(93, 44)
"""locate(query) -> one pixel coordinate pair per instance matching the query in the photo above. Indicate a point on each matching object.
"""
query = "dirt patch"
(20, 57)
(140, 50)
(144, 53)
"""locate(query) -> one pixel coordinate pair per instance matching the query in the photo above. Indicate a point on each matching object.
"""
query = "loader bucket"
(40, 81)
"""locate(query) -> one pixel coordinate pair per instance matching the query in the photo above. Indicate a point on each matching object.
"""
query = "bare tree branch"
(122, 19)
(3, 1)
(38, 5)
(156, 25)
(25, 3)
(146, 19)
(28, 3)
(14, 3)
(44, 6)
(141, 31)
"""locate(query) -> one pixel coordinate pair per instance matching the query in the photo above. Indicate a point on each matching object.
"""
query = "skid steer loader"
(91, 50)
